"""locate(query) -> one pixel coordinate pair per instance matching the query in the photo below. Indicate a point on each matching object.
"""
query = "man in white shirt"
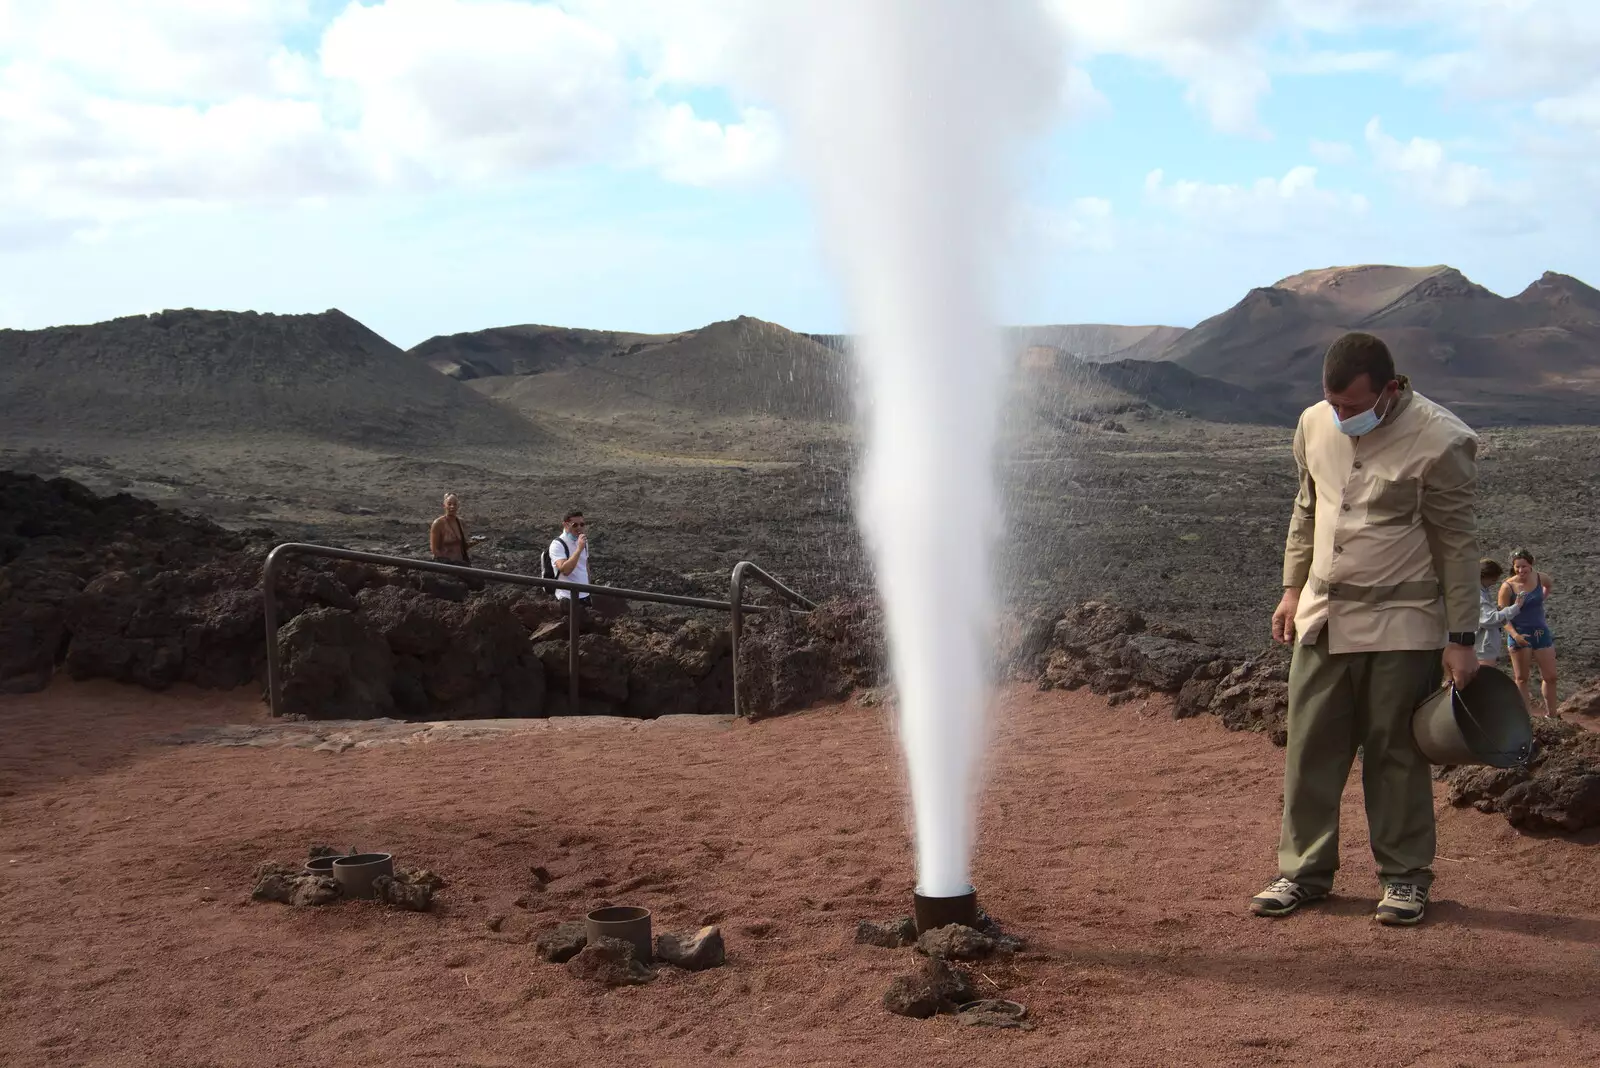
(569, 558)
(569, 554)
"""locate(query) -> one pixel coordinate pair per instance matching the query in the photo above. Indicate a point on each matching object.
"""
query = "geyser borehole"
(905, 113)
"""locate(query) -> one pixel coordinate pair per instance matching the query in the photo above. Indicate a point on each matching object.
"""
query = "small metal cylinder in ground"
(934, 912)
(356, 874)
(629, 923)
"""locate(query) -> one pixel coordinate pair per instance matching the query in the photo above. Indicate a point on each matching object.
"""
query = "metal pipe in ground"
(932, 912)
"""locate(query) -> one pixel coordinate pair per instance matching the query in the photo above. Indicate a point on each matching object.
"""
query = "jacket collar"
(1402, 401)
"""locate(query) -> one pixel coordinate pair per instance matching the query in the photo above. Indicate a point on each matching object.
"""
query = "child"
(1491, 617)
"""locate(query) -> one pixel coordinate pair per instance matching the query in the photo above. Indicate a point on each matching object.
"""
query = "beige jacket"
(1383, 541)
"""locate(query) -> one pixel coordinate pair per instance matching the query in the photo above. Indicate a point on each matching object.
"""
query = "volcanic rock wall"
(118, 588)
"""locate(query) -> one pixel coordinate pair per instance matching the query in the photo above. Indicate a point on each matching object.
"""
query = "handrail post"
(736, 625)
(269, 609)
(572, 655)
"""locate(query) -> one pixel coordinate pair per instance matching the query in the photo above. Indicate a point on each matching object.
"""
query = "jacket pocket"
(1394, 504)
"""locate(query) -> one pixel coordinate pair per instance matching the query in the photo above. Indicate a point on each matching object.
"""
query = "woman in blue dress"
(1528, 633)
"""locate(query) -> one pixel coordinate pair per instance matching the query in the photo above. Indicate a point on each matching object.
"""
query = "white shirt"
(560, 550)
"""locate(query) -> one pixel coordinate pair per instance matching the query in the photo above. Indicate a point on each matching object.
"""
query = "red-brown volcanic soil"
(1122, 844)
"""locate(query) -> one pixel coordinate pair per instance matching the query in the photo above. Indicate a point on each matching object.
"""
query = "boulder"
(292, 886)
(955, 942)
(335, 665)
(935, 987)
(1585, 703)
(1093, 623)
(889, 934)
(561, 943)
(609, 962)
(1558, 791)
(33, 639)
(409, 890)
(789, 661)
(603, 670)
(1021, 642)
(694, 952)
(1164, 664)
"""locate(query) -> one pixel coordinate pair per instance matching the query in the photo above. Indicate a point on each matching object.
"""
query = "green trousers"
(1336, 704)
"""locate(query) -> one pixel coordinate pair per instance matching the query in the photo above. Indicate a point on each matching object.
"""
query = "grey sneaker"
(1402, 904)
(1283, 896)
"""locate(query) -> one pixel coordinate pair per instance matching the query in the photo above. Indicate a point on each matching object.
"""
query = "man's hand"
(1283, 618)
(1460, 664)
(583, 543)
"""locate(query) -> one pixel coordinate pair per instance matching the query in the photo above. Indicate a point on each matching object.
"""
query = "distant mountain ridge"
(737, 367)
(199, 373)
(1534, 357)
(1530, 358)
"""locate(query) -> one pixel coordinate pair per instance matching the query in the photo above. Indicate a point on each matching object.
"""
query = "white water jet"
(906, 114)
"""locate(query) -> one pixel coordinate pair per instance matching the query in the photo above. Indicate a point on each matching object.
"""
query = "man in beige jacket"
(1380, 571)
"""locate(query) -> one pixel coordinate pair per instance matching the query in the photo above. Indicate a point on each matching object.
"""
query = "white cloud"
(693, 151)
(109, 111)
(1081, 98)
(1422, 166)
(1267, 206)
(1213, 46)
(477, 88)
(176, 50)
(1580, 109)
(1326, 62)
(1087, 224)
(1335, 153)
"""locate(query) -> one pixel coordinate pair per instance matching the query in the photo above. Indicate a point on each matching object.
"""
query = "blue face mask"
(1360, 425)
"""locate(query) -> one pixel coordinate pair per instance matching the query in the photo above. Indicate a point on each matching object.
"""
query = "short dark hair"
(570, 516)
(1489, 570)
(1354, 355)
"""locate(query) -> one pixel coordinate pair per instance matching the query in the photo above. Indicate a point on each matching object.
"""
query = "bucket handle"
(1525, 753)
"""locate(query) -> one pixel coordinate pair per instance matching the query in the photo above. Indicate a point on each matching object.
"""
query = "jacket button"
(1357, 465)
(1344, 508)
(1338, 548)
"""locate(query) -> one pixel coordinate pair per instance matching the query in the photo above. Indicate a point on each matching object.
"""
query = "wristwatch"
(1464, 637)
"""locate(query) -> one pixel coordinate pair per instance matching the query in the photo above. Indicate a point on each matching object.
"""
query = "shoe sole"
(1399, 921)
(1278, 913)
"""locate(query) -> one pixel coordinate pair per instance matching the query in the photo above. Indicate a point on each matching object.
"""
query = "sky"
(435, 166)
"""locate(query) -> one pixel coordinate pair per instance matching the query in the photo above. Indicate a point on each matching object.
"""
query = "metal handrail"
(737, 609)
(278, 555)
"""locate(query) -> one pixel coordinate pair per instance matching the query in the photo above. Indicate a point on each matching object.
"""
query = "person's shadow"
(1543, 924)
(1443, 912)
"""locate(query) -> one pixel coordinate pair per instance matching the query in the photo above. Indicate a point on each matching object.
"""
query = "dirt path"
(1121, 843)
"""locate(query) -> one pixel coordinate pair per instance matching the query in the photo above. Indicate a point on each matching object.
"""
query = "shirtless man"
(447, 538)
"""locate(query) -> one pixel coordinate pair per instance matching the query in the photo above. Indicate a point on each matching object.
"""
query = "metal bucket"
(626, 922)
(933, 913)
(1485, 723)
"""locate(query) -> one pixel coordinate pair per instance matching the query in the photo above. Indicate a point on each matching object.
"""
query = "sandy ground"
(1122, 844)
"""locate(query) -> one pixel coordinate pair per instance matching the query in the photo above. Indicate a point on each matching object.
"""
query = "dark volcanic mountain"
(1056, 388)
(205, 373)
(738, 367)
(527, 350)
(1532, 358)
(1101, 343)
